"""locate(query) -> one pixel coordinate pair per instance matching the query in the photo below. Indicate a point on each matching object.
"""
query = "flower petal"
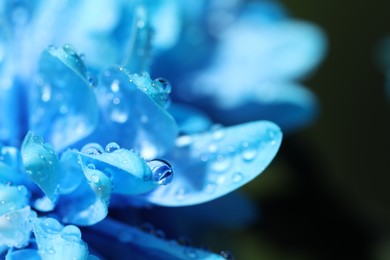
(63, 105)
(133, 113)
(58, 242)
(41, 164)
(85, 200)
(129, 172)
(211, 165)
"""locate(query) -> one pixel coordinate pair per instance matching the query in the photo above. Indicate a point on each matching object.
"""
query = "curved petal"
(210, 165)
(63, 105)
(149, 246)
(85, 194)
(129, 172)
(58, 242)
(133, 112)
(41, 164)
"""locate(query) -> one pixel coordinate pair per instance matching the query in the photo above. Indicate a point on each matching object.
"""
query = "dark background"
(327, 196)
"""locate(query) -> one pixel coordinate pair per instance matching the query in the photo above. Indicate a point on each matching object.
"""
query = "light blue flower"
(80, 136)
(245, 63)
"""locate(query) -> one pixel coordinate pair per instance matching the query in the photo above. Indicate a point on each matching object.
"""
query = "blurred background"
(326, 195)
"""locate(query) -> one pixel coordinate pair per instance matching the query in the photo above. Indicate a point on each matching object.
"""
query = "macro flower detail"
(85, 133)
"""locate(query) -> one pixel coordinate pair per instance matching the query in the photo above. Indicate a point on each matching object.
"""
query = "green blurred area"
(327, 196)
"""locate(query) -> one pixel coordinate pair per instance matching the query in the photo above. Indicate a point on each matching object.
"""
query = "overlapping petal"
(213, 164)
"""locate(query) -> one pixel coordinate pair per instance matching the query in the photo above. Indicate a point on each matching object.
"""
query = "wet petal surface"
(213, 164)
(63, 105)
(133, 113)
(58, 242)
(41, 164)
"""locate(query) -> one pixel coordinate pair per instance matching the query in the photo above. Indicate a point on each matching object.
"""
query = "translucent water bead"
(162, 172)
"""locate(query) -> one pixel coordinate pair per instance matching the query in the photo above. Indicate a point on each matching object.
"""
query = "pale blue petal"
(12, 198)
(15, 227)
(58, 242)
(84, 201)
(288, 104)
(210, 165)
(129, 172)
(147, 245)
(63, 105)
(41, 164)
(189, 119)
(133, 113)
(283, 50)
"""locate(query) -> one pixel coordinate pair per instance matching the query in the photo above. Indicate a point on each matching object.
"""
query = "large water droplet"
(111, 147)
(210, 187)
(51, 226)
(162, 172)
(92, 149)
(165, 85)
(248, 151)
(71, 233)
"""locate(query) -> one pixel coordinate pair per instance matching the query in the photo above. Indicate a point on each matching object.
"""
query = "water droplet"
(217, 132)
(69, 50)
(71, 233)
(227, 255)
(111, 147)
(91, 81)
(165, 85)
(95, 178)
(221, 163)
(51, 226)
(92, 149)
(50, 251)
(144, 119)
(91, 166)
(248, 151)
(237, 177)
(162, 172)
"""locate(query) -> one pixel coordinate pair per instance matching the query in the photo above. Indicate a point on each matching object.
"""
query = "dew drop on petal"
(71, 233)
(92, 149)
(248, 151)
(51, 226)
(221, 163)
(237, 177)
(111, 147)
(162, 172)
